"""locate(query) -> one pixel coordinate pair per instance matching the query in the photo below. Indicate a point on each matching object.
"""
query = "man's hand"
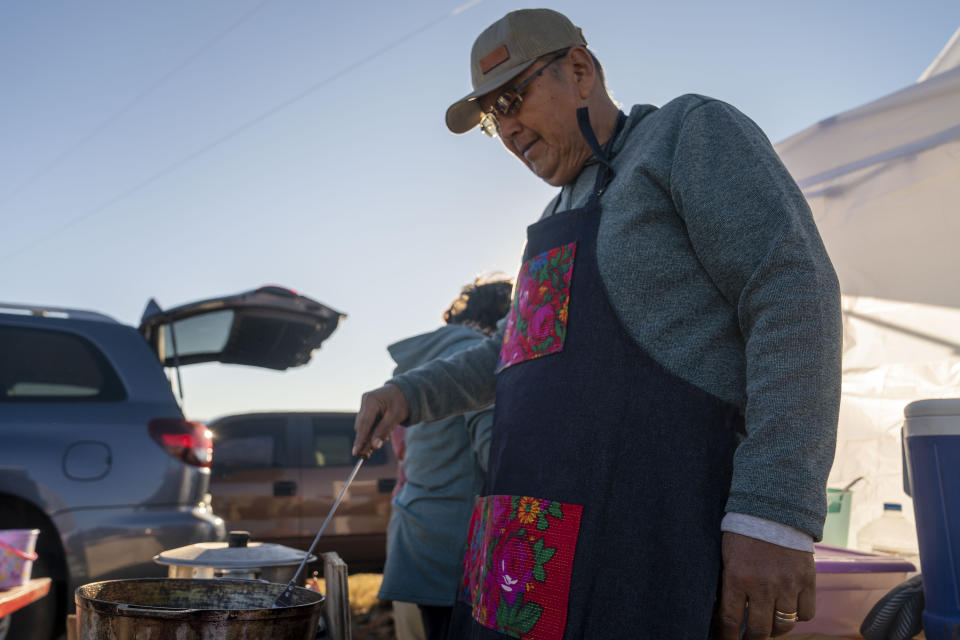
(380, 411)
(770, 579)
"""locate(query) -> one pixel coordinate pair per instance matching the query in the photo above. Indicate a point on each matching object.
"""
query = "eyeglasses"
(509, 101)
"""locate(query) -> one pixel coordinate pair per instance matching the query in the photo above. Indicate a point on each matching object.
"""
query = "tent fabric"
(947, 59)
(883, 181)
(894, 353)
(918, 112)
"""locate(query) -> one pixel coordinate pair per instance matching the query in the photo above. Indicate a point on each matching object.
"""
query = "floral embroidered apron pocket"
(518, 563)
(537, 323)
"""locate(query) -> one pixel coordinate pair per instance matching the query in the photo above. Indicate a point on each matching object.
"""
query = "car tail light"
(188, 441)
(277, 290)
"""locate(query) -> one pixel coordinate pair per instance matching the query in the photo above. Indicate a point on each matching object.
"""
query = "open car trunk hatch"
(269, 327)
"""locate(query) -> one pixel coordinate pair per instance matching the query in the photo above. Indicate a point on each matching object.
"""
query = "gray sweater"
(712, 260)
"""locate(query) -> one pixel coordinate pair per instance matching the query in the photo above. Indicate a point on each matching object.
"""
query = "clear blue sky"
(185, 149)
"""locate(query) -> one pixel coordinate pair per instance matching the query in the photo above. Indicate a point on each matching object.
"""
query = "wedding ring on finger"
(785, 618)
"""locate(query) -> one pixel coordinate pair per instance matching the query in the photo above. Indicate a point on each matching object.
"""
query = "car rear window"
(40, 365)
(251, 443)
(333, 442)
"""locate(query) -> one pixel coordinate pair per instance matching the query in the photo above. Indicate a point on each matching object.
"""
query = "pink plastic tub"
(849, 583)
(16, 556)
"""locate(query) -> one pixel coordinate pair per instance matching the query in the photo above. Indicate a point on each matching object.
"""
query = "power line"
(170, 168)
(116, 115)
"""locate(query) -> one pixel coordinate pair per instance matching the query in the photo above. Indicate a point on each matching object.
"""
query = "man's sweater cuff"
(768, 531)
(410, 395)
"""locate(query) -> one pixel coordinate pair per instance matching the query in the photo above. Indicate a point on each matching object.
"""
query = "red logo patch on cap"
(495, 57)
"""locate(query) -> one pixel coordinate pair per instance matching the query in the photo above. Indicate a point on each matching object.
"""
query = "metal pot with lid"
(188, 609)
(237, 558)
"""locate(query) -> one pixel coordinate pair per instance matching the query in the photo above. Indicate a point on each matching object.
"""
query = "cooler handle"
(29, 557)
(905, 467)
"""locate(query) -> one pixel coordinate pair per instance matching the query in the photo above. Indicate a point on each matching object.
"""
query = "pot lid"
(238, 553)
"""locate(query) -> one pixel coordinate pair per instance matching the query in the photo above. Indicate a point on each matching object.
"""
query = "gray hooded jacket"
(444, 466)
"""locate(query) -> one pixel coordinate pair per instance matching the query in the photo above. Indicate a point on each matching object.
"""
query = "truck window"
(332, 438)
(251, 443)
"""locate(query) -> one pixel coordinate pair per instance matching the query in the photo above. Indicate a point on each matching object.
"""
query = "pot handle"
(160, 612)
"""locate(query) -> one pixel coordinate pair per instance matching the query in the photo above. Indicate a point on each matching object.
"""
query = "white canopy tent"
(883, 181)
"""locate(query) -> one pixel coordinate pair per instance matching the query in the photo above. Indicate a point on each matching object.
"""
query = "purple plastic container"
(849, 583)
(16, 556)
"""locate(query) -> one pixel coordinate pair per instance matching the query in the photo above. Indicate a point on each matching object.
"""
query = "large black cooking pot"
(217, 609)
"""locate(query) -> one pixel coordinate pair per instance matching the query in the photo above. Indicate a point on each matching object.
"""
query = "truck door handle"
(285, 488)
(386, 485)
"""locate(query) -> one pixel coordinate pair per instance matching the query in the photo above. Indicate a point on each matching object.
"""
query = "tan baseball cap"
(505, 50)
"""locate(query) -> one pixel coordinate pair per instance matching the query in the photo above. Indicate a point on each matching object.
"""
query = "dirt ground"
(371, 618)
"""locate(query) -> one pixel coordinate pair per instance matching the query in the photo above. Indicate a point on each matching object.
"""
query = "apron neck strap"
(602, 154)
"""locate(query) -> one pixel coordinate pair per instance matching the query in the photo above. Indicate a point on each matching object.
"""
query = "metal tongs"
(285, 599)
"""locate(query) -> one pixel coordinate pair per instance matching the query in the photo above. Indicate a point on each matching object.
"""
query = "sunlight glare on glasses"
(488, 123)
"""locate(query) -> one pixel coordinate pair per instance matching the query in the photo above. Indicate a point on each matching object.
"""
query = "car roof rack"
(53, 312)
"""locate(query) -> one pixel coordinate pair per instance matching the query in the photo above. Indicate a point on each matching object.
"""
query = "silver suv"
(94, 448)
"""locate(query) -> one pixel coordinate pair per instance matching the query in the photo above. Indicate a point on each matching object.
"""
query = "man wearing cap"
(667, 381)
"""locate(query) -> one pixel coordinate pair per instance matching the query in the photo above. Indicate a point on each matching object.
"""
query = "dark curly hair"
(481, 304)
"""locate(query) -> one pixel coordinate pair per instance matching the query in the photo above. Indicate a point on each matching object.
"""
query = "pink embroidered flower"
(541, 326)
(514, 568)
(525, 302)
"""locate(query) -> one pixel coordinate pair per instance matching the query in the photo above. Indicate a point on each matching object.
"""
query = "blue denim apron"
(608, 475)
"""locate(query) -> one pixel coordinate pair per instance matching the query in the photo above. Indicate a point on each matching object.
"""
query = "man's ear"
(584, 71)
